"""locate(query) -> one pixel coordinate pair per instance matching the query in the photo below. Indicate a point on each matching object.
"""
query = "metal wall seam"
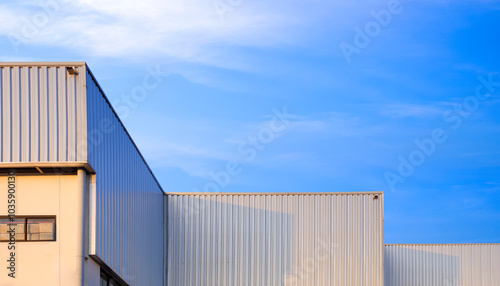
(15, 82)
(268, 239)
(25, 115)
(34, 115)
(53, 114)
(6, 115)
(62, 117)
(44, 115)
(442, 264)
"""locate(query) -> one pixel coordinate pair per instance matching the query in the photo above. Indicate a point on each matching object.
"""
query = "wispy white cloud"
(402, 110)
(172, 30)
(187, 30)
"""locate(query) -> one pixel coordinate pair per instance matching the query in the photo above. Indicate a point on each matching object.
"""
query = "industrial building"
(81, 207)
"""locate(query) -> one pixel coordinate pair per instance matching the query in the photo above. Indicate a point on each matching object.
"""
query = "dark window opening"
(108, 280)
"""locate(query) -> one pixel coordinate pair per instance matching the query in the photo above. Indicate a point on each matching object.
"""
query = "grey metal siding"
(267, 239)
(43, 114)
(129, 201)
(442, 265)
(51, 116)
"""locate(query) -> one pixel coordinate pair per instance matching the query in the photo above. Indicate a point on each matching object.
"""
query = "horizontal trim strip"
(440, 244)
(21, 165)
(41, 64)
(270, 193)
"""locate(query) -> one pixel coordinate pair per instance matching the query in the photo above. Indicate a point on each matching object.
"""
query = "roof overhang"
(40, 168)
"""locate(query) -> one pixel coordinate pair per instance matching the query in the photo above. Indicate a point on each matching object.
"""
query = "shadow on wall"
(406, 265)
(210, 238)
(442, 265)
(273, 240)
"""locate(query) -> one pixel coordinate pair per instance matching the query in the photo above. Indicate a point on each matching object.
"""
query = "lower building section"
(48, 237)
(442, 265)
(46, 249)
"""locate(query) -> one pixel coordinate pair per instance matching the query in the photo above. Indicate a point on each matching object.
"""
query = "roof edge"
(269, 193)
(41, 64)
(65, 164)
(123, 125)
(439, 244)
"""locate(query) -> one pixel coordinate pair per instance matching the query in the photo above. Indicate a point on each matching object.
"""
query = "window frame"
(25, 218)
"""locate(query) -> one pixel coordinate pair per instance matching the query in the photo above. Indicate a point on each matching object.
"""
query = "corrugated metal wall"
(267, 239)
(442, 265)
(50, 115)
(129, 200)
(43, 115)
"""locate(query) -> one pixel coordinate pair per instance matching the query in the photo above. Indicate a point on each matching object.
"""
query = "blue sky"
(411, 107)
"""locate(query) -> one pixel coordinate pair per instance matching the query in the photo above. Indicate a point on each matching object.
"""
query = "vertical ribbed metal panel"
(43, 114)
(129, 210)
(442, 265)
(275, 239)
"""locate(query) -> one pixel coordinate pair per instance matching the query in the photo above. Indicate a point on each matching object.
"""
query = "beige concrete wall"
(46, 263)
